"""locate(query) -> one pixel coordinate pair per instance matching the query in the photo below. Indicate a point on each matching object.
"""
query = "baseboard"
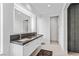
(54, 41)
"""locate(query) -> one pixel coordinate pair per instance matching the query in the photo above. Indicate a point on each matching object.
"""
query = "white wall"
(63, 27)
(43, 27)
(7, 26)
(61, 30)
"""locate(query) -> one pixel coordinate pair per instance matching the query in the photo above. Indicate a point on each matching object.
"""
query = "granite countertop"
(26, 40)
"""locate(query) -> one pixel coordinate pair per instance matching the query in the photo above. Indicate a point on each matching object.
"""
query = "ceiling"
(43, 9)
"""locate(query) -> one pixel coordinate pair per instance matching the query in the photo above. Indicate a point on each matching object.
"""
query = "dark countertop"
(26, 40)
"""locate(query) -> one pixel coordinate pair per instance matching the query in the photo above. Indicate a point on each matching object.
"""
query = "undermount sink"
(25, 39)
(31, 36)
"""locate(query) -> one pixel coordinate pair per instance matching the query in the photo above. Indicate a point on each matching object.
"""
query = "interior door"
(54, 29)
(76, 28)
(73, 28)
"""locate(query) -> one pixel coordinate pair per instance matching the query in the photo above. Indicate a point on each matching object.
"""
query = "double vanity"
(24, 21)
(24, 44)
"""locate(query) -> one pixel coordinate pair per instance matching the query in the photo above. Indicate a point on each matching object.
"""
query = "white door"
(54, 29)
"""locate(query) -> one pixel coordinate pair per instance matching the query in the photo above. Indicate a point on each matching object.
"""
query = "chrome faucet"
(20, 36)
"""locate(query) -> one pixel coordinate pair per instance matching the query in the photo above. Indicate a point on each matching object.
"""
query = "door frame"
(65, 48)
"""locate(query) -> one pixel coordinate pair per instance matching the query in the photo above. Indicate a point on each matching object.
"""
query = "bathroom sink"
(30, 36)
(25, 39)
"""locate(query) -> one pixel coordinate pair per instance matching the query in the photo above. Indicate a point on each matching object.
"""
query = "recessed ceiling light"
(49, 5)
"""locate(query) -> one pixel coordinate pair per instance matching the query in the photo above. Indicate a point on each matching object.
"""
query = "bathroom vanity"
(26, 45)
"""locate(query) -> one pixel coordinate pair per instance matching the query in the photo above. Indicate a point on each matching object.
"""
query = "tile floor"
(57, 50)
(73, 54)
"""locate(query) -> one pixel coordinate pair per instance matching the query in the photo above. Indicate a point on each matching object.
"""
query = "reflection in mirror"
(25, 26)
(22, 22)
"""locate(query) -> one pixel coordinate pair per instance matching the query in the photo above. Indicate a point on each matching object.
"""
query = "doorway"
(73, 28)
(54, 29)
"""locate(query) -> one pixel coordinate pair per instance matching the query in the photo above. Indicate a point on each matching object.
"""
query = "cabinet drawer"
(30, 47)
(30, 50)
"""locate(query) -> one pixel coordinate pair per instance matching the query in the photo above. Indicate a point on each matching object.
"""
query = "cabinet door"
(29, 48)
(16, 50)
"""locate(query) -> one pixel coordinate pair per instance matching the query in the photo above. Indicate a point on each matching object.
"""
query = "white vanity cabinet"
(27, 49)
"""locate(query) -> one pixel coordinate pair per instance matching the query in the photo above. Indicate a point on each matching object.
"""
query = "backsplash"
(28, 34)
(16, 37)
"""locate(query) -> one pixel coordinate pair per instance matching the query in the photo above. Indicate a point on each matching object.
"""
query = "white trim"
(65, 27)
(1, 28)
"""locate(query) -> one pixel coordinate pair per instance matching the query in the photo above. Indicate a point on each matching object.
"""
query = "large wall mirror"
(22, 22)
